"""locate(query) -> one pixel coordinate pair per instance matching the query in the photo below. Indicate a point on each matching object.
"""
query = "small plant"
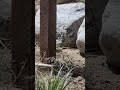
(52, 82)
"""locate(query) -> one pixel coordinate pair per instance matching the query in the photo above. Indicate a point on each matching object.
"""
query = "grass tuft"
(52, 82)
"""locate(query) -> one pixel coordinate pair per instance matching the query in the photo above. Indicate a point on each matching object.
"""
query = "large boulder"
(37, 22)
(110, 33)
(69, 19)
(94, 11)
(80, 42)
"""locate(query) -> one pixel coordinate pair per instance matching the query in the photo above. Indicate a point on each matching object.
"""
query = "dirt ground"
(98, 76)
(78, 62)
(71, 56)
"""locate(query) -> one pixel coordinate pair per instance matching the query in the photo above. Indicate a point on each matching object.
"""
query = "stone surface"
(81, 38)
(110, 33)
(37, 22)
(69, 19)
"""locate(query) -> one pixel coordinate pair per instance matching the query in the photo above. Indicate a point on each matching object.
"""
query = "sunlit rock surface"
(81, 38)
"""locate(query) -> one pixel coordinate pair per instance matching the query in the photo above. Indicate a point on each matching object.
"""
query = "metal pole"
(48, 28)
(23, 29)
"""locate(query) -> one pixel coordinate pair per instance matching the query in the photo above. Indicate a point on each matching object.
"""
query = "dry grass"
(51, 81)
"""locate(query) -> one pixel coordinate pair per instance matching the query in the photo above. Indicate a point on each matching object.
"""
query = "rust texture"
(48, 28)
(23, 49)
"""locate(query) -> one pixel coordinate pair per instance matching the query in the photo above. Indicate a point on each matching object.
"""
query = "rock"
(81, 38)
(37, 7)
(37, 22)
(110, 34)
(69, 19)
(93, 24)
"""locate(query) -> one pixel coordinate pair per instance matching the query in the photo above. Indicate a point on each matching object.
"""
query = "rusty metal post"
(23, 29)
(48, 27)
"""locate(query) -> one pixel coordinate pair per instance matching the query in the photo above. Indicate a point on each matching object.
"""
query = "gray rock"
(37, 22)
(80, 42)
(69, 19)
(94, 24)
(70, 35)
(37, 7)
(110, 34)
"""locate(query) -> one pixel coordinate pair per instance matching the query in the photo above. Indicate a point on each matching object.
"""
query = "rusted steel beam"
(48, 28)
(23, 29)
